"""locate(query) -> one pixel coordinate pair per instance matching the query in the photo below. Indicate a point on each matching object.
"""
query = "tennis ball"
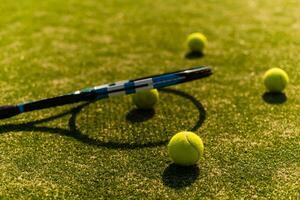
(196, 42)
(185, 148)
(275, 80)
(146, 99)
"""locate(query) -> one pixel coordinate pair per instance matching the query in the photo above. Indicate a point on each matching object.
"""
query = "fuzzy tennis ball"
(146, 99)
(275, 80)
(196, 42)
(185, 148)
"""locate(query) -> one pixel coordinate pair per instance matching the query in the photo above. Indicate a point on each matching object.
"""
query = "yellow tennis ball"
(196, 42)
(146, 99)
(185, 148)
(275, 80)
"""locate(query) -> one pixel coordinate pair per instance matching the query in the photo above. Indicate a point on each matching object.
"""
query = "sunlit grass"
(99, 150)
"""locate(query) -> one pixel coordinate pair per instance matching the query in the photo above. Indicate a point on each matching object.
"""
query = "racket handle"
(8, 111)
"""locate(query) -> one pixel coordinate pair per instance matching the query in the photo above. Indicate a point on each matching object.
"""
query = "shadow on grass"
(197, 104)
(133, 116)
(139, 115)
(175, 176)
(193, 55)
(274, 98)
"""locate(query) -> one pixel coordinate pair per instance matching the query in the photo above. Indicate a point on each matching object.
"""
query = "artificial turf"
(110, 150)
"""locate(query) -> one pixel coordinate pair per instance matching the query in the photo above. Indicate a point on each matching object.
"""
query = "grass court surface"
(110, 150)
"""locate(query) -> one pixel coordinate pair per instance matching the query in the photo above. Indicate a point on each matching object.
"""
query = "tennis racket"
(109, 90)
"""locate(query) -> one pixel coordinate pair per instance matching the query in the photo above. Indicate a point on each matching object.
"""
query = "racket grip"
(8, 111)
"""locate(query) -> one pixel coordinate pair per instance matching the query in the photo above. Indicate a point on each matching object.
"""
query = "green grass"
(108, 150)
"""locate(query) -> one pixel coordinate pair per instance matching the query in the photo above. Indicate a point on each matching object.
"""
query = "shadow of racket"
(74, 131)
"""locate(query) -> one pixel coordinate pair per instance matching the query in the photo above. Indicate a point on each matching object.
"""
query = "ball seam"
(195, 148)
